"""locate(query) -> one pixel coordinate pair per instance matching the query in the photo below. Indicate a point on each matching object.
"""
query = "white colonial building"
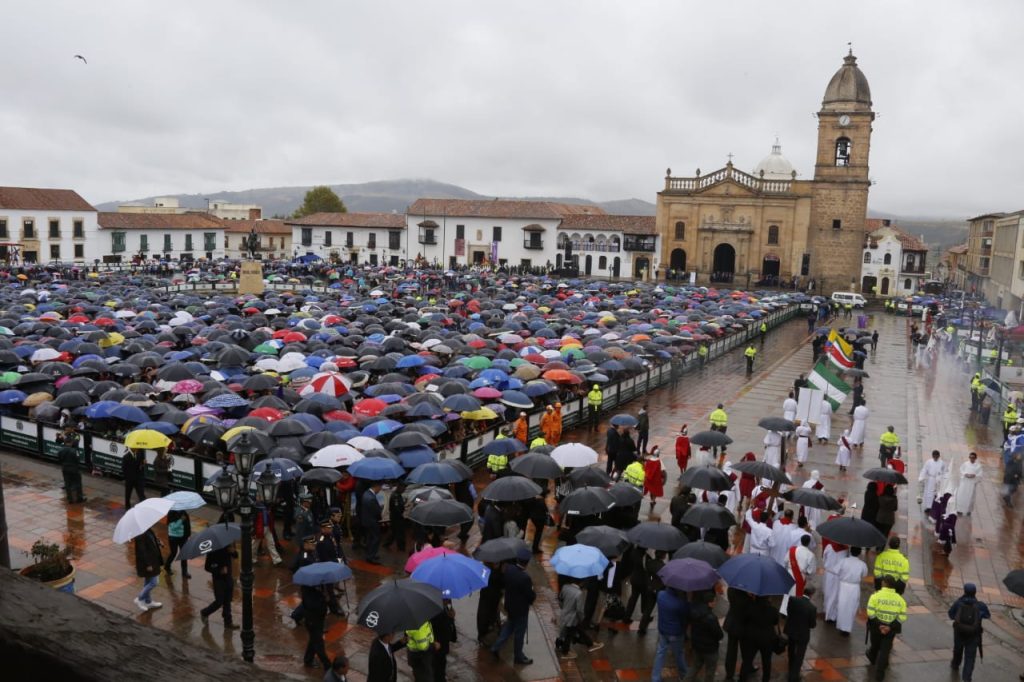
(355, 238)
(275, 239)
(893, 262)
(615, 246)
(47, 226)
(163, 236)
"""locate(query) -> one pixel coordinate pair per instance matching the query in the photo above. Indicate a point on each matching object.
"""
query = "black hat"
(325, 522)
(309, 538)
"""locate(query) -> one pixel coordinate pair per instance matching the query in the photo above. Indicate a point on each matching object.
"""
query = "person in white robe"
(789, 407)
(932, 473)
(814, 516)
(860, 426)
(781, 537)
(773, 448)
(843, 453)
(732, 495)
(806, 564)
(831, 560)
(760, 536)
(824, 429)
(704, 458)
(850, 571)
(803, 443)
(970, 476)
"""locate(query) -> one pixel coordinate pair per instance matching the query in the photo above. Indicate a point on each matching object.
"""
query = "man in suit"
(369, 519)
(802, 617)
(382, 665)
(133, 470)
(519, 596)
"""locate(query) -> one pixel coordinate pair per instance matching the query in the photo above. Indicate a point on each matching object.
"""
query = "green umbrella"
(6, 332)
(477, 362)
(515, 362)
(10, 377)
(265, 348)
(572, 351)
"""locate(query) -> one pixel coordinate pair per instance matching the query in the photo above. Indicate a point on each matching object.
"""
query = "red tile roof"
(379, 219)
(159, 221)
(34, 199)
(261, 226)
(961, 249)
(498, 208)
(628, 224)
(909, 242)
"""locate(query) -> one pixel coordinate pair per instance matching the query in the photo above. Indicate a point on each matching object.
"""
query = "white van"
(848, 297)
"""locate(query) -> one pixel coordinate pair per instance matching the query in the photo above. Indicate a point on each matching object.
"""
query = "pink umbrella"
(487, 393)
(424, 554)
(187, 386)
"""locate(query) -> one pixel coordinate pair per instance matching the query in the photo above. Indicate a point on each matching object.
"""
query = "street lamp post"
(235, 492)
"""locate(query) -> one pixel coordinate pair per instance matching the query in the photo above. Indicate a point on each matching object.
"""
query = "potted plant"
(51, 565)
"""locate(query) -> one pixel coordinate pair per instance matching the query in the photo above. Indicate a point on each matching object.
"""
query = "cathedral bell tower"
(841, 181)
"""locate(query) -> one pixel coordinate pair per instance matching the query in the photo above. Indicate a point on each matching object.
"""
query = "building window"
(867, 257)
(680, 230)
(371, 241)
(837, 224)
(168, 245)
(117, 242)
(602, 263)
(460, 231)
(79, 250)
(28, 229)
(373, 259)
(54, 229)
(54, 252)
(188, 242)
(78, 229)
(805, 265)
(773, 234)
(427, 235)
(209, 241)
(525, 263)
(350, 239)
(143, 243)
(887, 260)
(394, 241)
(907, 284)
(328, 238)
(1020, 269)
(307, 236)
(496, 233)
(843, 149)
(3, 228)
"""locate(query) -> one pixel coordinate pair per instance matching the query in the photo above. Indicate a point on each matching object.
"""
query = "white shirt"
(761, 539)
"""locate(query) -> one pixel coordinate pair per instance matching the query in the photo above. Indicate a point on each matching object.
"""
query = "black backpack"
(967, 622)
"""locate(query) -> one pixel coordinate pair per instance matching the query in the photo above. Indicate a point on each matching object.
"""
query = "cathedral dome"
(775, 166)
(848, 87)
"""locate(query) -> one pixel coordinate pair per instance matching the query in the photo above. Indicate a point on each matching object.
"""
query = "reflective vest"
(764, 327)
(891, 562)
(702, 351)
(497, 463)
(1010, 416)
(634, 474)
(750, 352)
(595, 397)
(538, 442)
(719, 418)
(976, 385)
(421, 638)
(890, 439)
(886, 606)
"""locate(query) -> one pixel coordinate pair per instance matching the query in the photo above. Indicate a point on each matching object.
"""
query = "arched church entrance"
(885, 287)
(723, 265)
(869, 284)
(770, 270)
(677, 261)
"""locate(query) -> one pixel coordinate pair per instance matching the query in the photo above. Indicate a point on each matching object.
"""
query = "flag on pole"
(839, 351)
(824, 379)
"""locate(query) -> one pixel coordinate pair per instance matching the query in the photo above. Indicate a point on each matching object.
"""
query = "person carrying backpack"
(967, 613)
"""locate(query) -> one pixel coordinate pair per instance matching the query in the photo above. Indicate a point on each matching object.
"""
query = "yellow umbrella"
(480, 415)
(94, 275)
(146, 439)
(232, 432)
(113, 339)
(29, 306)
(37, 399)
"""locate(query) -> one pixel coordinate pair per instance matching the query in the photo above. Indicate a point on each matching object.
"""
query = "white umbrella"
(141, 517)
(338, 455)
(365, 443)
(572, 455)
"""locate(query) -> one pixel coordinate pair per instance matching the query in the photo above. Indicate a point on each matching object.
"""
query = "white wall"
(41, 219)
(478, 237)
(360, 242)
(133, 243)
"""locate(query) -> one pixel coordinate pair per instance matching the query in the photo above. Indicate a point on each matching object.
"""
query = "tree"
(320, 199)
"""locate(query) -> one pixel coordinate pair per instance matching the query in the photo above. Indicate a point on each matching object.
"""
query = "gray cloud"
(591, 99)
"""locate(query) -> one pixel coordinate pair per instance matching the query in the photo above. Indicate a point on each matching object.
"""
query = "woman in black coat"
(148, 562)
(870, 511)
(759, 634)
(885, 518)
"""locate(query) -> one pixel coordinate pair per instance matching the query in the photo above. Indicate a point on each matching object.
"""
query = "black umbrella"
(322, 439)
(399, 605)
(763, 470)
(706, 478)
(215, 537)
(710, 439)
(776, 424)
(429, 495)
(72, 400)
(288, 427)
(611, 541)
(657, 536)
(852, 532)
(252, 441)
(511, 489)
(625, 494)
(536, 465)
(1014, 581)
(260, 382)
(205, 434)
(321, 476)
(704, 551)
(503, 549)
(591, 475)
(709, 515)
(442, 513)
(587, 501)
(809, 497)
(885, 476)
(409, 440)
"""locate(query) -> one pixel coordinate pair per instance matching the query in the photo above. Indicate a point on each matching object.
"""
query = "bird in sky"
(78, 56)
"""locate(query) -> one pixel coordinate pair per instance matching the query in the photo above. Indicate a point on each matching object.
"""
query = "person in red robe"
(683, 449)
(747, 481)
(654, 481)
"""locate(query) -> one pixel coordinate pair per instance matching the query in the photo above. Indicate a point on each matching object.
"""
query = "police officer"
(538, 442)
(719, 419)
(750, 353)
(702, 353)
(420, 649)
(634, 474)
(764, 331)
(306, 556)
(314, 606)
(887, 445)
(977, 391)
(497, 465)
(892, 563)
(1009, 419)
(594, 400)
(886, 613)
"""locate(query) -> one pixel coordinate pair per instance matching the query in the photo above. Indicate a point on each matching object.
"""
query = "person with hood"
(556, 432)
(814, 516)
(773, 448)
(521, 429)
(823, 431)
(843, 452)
(705, 635)
(654, 475)
(683, 448)
(547, 425)
(967, 613)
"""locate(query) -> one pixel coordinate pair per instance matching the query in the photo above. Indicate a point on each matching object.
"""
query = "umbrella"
(776, 424)
(579, 561)
(146, 439)
(536, 465)
(285, 469)
(709, 515)
(399, 605)
(504, 446)
(321, 476)
(511, 489)
(624, 420)
(429, 494)
(503, 549)
(434, 473)
(340, 455)
(816, 499)
(1014, 581)
(586, 501)
(141, 518)
(763, 470)
(589, 475)
(455, 575)
(657, 536)
(706, 478)
(714, 555)
(443, 513)
(884, 476)
(688, 575)
(365, 443)
(711, 439)
(854, 372)
(625, 494)
(851, 531)
(756, 574)
(377, 469)
(185, 500)
(217, 536)
(419, 557)
(322, 573)
(574, 455)
(249, 441)
(611, 541)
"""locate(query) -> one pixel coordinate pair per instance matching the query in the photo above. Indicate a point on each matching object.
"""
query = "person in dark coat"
(218, 565)
(643, 429)
(396, 518)
(705, 634)
(626, 452)
(369, 520)
(314, 606)
(678, 506)
(870, 511)
(536, 509)
(487, 614)
(148, 562)
(801, 618)
(133, 470)
(645, 584)
(494, 522)
(307, 555)
(611, 448)
(179, 530)
(68, 458)
(305, 524)
(967, 636)
(382, 664)
(759, 633)
(735, 627)
(885, 517)
(445, 634)
(519, 596)
(286, 496)
(326, 550)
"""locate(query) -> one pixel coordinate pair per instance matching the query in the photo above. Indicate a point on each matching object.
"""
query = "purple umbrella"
(688, 575)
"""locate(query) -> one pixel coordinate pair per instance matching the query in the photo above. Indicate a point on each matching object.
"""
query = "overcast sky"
(569, 98)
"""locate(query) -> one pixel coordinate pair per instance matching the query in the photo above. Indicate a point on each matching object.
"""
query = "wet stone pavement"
(928, 407)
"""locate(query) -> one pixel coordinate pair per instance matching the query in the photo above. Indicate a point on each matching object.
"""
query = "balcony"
(602, 247)
(428, 239)
(533, 244)
(640, 243)
(986, 251)
(913, 269)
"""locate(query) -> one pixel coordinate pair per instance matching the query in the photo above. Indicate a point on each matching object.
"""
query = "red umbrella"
(105, 322)
(561, 376)
(368, 407)
(477, 343)
(345, 363)
(294, 337)
(339, 416)
(268, 413)
(328, 384)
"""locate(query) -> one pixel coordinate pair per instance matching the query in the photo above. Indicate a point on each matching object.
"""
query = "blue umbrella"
(382, 428)
(433, 473)
(166, 428)
(504, 446)
(128, 413)
(461, 402)
(537, 389)
(376, 469)
(314, 424)
(102, 409)
(756, 574)
(624, 420)
(415, 456)
(322, 573)
(12, 397)
(455, 575)
(425, 410)
(285, 469)
(688, 575)
(185, 500)
(579, 561)
(411, 361)
(226, 401)
(516, 399)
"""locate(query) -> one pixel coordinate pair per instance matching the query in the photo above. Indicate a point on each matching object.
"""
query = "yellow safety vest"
(750, 351)
(421, 638)
(886, 606)
(891, 562)
(764, 327)
(719, 418)
(538, 442)
(634, 474)
(595, 397)
(702, 351)
(496, 463)
(890, 439)
(1010, 416)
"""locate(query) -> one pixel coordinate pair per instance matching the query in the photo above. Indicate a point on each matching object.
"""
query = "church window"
(837, 224)
(867, 257)
(888, 259)
(680, 230)
(773, 234)
(843, 148)
(805, 265)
